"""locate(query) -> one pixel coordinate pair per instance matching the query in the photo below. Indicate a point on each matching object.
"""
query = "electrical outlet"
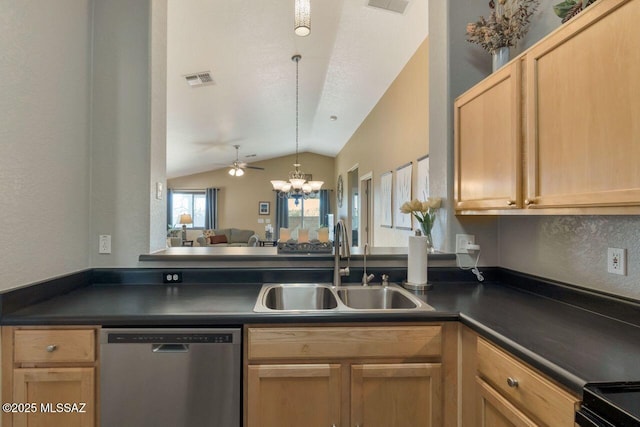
(104, 244)
(462, 240)
(617, 261)
(172, 277)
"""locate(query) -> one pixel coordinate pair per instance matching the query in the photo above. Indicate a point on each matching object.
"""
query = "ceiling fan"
(238, 167)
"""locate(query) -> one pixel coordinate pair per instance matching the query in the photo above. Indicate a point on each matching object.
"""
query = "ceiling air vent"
(199, 79)
(398, 6)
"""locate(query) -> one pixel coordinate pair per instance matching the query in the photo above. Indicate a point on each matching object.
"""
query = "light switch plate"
(104, 245)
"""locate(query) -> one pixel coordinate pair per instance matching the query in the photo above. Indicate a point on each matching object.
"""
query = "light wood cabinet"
(583, 107)
(294, 395)
(383, 375)
(402, 394)
(569, 116)
(488, 143)
(501, 390)
(52, 371)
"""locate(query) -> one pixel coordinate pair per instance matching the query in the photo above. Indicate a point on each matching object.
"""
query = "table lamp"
(184, 220)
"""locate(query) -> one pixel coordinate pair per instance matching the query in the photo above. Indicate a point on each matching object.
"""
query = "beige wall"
(239, 197)
(394, 133)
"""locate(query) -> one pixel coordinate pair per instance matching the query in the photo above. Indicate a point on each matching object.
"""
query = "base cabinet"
(49, 375)
(403, 395)
(496, 411)
(499, 390)
(280, 395)
(351, 376)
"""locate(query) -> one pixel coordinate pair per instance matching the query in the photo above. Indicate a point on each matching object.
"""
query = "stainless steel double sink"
(324, 297)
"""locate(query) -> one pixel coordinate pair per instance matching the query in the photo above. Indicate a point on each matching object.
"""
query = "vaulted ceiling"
(353, 54)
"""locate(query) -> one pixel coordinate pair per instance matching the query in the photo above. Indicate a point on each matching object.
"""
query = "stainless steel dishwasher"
(170, 377)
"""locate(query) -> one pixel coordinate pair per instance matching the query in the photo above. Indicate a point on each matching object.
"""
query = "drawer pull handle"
(529, 202)
(511, 203)
(512, 382)
(51, 348)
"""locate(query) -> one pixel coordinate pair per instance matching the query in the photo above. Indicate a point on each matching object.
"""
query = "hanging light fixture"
(302, 17)
(297, 187)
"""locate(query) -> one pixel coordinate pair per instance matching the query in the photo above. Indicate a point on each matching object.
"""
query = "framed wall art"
(403, 194)
(422, 187)
(264, 208)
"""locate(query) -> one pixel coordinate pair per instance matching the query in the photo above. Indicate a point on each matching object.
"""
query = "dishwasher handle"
(170, 348)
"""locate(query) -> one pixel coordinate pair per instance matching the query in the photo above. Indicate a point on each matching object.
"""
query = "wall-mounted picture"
(264, 208)
(422, 189)
(386, 189)
(403, 194)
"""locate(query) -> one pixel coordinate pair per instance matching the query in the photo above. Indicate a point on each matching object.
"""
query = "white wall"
(122, 182)
(82, 136)
(454, 66)
(44, 131)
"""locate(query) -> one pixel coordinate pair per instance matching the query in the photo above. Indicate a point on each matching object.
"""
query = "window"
(305, 214)
(190, 202)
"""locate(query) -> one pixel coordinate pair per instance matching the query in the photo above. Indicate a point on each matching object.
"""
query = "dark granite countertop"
(571, 344)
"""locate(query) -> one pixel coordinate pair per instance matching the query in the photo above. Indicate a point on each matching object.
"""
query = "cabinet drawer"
(525, 388)
(54, 345)
(344, 342)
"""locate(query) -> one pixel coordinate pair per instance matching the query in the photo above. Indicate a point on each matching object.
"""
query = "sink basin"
(324, 297)
(375, 298)
(298, 296)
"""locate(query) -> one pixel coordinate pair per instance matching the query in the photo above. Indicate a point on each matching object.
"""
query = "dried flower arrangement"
(508, 22)
(570, 8)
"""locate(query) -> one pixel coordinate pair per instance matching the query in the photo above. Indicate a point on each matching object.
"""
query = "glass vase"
(499, 58)
(426, 232)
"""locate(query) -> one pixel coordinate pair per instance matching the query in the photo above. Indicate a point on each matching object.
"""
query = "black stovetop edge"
(599, 398)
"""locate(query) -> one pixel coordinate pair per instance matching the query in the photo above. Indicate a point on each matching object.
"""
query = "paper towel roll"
(417, 260)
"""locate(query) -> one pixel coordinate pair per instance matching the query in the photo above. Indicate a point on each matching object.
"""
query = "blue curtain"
(211, 208)
(325, 206)
(170, 207)
(282, 213)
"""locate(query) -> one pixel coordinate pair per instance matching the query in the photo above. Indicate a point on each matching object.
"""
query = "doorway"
(353, 205)
(366, 209)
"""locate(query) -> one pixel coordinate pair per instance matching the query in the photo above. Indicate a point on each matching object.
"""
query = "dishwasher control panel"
(169, 338)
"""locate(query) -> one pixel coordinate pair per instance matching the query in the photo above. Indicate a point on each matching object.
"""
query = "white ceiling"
(350, 58)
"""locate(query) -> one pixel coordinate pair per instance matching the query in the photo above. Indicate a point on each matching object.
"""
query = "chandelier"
(297, 187)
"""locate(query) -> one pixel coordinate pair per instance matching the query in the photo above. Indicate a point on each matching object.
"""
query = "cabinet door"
(44, 386)
(496, 411)
(583, 106)
(294, 395)
(396, 395)
(488, 143)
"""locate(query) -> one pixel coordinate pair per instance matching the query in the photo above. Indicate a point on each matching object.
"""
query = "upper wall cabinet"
(579, 130)
(488, 166)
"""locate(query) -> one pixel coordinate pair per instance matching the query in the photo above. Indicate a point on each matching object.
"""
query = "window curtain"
(325, 206)
(170, 207)
(282, 213)
(211, 208)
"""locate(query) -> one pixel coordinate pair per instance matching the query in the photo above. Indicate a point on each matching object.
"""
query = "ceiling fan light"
(302, 17)
(232, 172)
(239, 172)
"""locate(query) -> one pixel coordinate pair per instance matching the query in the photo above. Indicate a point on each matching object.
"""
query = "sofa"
(228, 237)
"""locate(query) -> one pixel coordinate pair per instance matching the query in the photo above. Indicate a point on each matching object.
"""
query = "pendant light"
(297, 186)
(302, 17)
